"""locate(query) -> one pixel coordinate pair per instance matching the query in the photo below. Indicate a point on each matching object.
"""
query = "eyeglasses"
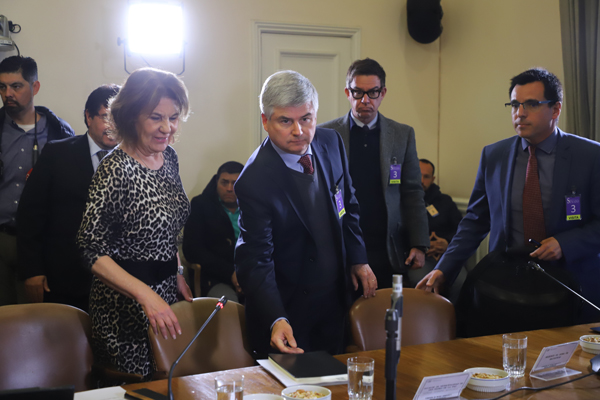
(529, 105)
(359, 94)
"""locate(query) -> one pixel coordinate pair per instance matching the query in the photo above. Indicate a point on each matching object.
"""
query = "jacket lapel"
(508, 167)
(560, 177)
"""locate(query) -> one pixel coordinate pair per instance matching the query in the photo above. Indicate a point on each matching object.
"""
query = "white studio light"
(155, 28)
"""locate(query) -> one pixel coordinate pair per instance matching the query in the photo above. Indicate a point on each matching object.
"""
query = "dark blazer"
(209, 239)
(407, 218)
(275, 246)
(49, 215)
(577, 167)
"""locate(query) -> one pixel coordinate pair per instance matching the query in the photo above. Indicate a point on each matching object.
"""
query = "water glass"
(514, 354)
(229, 387)
(360, 378)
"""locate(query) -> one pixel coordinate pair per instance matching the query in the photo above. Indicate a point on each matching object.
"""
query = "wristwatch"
(180, 270)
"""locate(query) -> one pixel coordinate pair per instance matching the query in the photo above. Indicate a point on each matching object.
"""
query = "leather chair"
(504, 294)
(222, 345)
(45, 345)
(426, 318)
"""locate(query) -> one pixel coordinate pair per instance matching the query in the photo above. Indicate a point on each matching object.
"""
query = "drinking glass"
(360, 378)
(514, 354)
(229, 387)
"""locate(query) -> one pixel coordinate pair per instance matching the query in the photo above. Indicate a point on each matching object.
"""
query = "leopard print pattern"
(132, 213)
(120, 328)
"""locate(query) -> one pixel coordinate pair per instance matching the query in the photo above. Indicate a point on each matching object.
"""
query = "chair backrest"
(222, 345)
(45, 345)
(503, 294)
(426, 318)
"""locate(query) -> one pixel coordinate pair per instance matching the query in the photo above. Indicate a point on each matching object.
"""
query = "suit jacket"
(275, 246)
(577, 167)
(49, 215)
(407, 218)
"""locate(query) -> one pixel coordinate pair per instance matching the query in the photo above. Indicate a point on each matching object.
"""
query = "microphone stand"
(220, 304)
(536, 266)
(393, 324)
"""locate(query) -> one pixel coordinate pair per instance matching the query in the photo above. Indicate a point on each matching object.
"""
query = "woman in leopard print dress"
(135, 211)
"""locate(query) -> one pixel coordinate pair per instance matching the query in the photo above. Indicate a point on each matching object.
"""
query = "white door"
(322, 54)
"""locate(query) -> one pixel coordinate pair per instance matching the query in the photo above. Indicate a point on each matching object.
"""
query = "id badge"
(432, 210)
(395, 174)
(339, 203)
(573, 207)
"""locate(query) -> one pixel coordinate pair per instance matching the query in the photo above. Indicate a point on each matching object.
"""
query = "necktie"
(101, 154)
(533, 210)
(307, 164)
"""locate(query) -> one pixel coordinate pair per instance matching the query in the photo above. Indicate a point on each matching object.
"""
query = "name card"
(552, 361)
(447, 386)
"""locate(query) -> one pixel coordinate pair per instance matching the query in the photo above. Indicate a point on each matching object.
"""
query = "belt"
(9, 230)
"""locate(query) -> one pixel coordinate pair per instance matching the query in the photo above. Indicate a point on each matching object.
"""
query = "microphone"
(220, 304)
(393, 325)
(536, 266)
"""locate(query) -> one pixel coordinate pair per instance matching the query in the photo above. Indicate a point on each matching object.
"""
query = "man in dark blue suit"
(52, 205)
(300, 252)
(541, 184)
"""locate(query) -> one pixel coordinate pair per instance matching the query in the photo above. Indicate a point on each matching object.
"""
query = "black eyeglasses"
(359, 94)
(529, 105)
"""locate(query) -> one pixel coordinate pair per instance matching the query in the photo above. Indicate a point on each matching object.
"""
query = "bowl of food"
(590, 343)
(487, 379)
(306, 392)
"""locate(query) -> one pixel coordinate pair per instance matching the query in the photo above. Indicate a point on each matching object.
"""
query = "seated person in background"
(443, 217)
(212, 231)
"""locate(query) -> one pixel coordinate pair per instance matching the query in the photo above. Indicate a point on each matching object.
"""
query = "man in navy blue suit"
(52, 206)
(300, 252)
(541, 184)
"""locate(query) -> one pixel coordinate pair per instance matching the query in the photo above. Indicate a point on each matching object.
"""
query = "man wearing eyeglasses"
(539, 187)
(24, 130)
(385, 171)
(52, 206)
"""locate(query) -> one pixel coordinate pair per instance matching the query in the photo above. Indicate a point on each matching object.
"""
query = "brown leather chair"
(45, 345)
(426, 318)
(222, 345)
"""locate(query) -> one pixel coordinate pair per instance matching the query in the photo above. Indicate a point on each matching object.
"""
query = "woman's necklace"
(143, 162)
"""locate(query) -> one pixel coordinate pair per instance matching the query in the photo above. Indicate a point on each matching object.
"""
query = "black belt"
(149, 272)
(9, 230)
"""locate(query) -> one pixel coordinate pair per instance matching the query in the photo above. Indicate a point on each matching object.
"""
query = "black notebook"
(313, 367)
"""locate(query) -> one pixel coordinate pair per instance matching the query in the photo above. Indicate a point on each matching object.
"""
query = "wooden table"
(419, 361)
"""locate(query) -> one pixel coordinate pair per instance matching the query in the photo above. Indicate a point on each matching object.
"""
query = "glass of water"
(514, 354)
(360, 378)
(229, 387)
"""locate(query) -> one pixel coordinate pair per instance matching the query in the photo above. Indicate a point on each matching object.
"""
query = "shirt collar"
(547, 145)
(371, 124)
(94, 148)
(291, 160)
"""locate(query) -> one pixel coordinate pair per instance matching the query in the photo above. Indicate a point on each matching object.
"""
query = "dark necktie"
(101, 154)
(534, 226)
(306, 163)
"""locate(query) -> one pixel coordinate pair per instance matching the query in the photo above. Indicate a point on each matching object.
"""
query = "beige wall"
(484, 43)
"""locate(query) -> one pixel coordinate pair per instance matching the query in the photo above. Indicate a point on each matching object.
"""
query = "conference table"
(419, 361)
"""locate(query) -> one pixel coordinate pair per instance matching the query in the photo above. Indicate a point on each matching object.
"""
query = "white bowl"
(590, 347)
(312, 388)
(263, 396)
(488, 385)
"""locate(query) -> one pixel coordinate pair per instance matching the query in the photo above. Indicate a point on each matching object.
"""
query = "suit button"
(305, 292)
(311, 259)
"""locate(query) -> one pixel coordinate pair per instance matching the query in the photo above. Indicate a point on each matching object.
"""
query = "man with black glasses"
(385, 171)
(24, 130)
(540, 187)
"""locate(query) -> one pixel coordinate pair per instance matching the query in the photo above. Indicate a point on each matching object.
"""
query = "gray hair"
(287, 89)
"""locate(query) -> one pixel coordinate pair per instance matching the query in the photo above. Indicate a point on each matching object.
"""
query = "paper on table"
(442, 386)
(287, 381)
(110, 393)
